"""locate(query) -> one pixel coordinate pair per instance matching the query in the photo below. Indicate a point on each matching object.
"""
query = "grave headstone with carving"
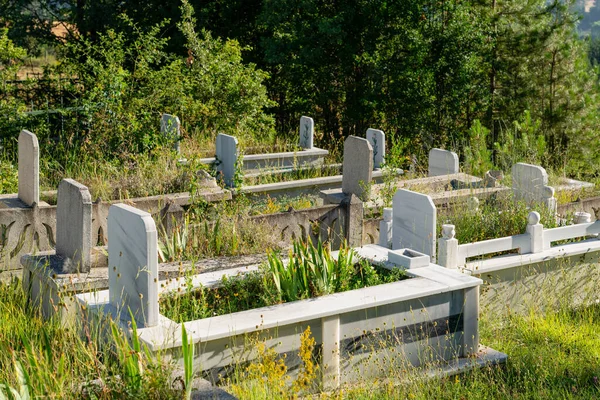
(307, 132)
(377, 140)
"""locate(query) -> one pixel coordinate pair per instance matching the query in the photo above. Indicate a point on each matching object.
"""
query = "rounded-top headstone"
(133, 264)
(29, 168)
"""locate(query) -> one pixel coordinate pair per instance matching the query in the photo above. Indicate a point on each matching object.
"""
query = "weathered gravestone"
(29, 168)
(226, 154)
(414, 222)
(74, 226)
(307, 132)
(442, 162)
(133, 264)
(357, 168)
(171, 127)
(377, 140)
(530, 183)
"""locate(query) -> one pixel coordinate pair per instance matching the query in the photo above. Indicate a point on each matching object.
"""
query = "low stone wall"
(25, 230)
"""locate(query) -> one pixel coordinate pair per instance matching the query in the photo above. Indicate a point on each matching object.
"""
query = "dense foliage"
(428, 73)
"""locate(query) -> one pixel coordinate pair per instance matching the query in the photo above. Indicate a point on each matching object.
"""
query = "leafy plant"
(310, 271)
(22, 392)
(187, 348)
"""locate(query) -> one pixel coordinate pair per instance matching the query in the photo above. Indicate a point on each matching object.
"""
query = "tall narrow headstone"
(74, 226)
(414, 222)
(357, 168)
(227, 158)
(307, 132)
(171, 127)
(530, 183)
(442, 162)
(133, 264)
(29, 168)
(377, 140)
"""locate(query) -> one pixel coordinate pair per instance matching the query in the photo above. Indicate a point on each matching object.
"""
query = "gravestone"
(29, 168)
(226, 154)
(530, 183)
(414, 222)
(377, 140)
(133, 264)
(357, 169)
(171, 127)
(307, 132)
(74, 226)
(442, 162)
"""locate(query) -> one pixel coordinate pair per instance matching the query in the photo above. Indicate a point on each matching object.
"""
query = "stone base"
(54, 292)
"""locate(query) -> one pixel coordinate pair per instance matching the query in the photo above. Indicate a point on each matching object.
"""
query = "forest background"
(497, 81)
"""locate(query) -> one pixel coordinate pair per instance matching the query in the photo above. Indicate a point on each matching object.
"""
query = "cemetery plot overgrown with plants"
(499, 84)
(310, 271)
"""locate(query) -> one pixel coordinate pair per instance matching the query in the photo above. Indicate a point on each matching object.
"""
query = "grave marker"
(442, 162)
(377, 140)
(414, 222)
(133, 264)
(227, 157)
(171, 127)
(357, 169)
(29, 168)
(530, 183)
(74, 226)
(307, 132)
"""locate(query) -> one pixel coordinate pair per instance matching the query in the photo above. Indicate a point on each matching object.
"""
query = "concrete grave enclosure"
(350, 328)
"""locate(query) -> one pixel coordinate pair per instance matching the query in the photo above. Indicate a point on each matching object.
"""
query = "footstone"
(442, 162)
(414, 222)
(377, 140)
(529, 183)
(133, 264)
(227, 158)
(74, 226)
(29, 168)
(358, 167)
(307, 132)
(171, 127)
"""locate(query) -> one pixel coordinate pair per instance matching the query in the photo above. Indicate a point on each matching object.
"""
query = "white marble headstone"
(442, 162)
(29, 168)
(227, 157)
(357, 169)
(133, 264)
(171, 127)
(74, 225)
(414, 222)
(377, 140)
(307, 132)
(529, 183)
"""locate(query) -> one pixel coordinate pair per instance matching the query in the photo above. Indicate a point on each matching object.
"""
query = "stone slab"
(414, 222)
(377, 140)
(74, 226)
(226, 154)
(133, 264)
(307, 132)
(528, 182)
(358, 167)
(442, 162)
(29, 168)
